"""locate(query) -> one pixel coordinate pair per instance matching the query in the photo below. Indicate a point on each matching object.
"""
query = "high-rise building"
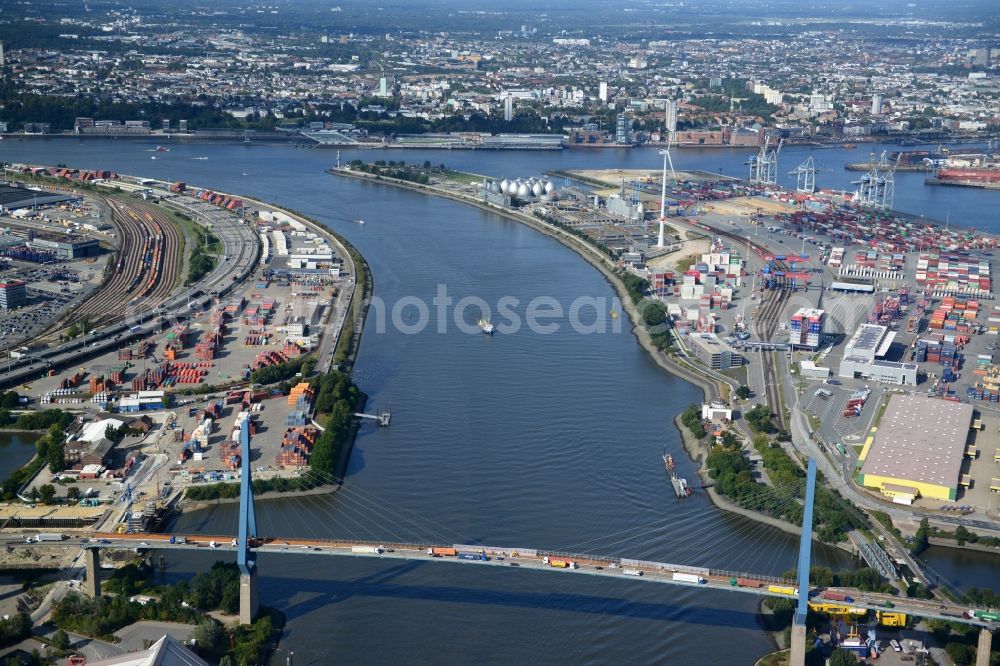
(383, 87)
(623, 130)
(670, 115)
(182, 126)
(602, 93)
(508, 107)
(2, 61)
(807, 328)
(166, 124)
(13, 294)
(876, 105)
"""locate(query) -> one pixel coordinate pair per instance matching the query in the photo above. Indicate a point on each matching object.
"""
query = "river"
(530, 439)
(16, 448)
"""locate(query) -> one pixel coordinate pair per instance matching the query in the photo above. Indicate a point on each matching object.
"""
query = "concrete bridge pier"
(797, 651)
(249, 603)
(983, 649)
(92, 559)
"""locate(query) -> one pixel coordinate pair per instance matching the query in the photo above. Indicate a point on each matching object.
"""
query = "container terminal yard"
(279, 287)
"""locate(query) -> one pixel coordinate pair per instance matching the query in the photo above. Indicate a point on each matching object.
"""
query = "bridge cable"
(388, 509)
(732, 522)
(728, 524)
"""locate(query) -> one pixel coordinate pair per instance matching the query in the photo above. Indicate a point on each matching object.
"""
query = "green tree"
(842, 657)
(210, 635)
(743, 392)
(73, 493)
(60, 640)
(960, 653)
(920, 539)
(961, 535)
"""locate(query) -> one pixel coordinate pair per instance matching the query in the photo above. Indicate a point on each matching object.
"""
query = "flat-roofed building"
(918, 448)
(13, 294)
(713, 352)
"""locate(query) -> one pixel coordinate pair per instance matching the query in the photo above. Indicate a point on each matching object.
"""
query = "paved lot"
(135, 637)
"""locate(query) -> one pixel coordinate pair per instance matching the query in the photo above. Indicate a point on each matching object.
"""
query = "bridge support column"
(245, 559)
(983, 650)
(249, 603)
(92, 559)
(797, 652)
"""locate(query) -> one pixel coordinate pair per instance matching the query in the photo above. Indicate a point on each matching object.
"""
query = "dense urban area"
(169, 348)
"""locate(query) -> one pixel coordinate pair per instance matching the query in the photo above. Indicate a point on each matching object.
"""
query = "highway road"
(523, 559)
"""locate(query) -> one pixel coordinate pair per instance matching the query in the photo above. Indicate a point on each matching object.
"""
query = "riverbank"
(711, 388)
(951, 543)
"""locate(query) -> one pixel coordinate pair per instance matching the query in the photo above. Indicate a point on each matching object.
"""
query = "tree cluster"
(759, 418)
(14, 629)
(733, 475)
(336, 398)
(691, 418)
(279, 372)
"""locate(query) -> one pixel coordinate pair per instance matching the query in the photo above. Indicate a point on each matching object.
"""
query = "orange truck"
(439, 551)
(559, 563)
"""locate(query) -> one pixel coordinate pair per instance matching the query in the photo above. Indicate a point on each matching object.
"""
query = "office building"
(623, 130)
(508, 107)
(806, 328)
(876, 105)
(602, 93)
(182, 126)
(2, 61)
(383, 87)
(13, 294)
(670, 115)
(713, 352)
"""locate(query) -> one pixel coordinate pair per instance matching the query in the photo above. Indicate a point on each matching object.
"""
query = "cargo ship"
(681, 487)
(487, 327)
(982, 177)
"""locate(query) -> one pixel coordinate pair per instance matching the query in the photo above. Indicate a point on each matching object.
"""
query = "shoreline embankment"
(710, 388)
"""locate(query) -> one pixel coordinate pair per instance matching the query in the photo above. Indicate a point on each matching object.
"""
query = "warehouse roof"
(920, 439)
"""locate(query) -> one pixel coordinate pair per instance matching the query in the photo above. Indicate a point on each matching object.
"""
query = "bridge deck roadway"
(530, 559)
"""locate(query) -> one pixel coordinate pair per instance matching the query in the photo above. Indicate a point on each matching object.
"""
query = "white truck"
(48, 536)
(366, 550)
(632, 572)
(689, 578)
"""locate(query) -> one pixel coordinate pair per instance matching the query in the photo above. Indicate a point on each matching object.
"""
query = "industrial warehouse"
(917, 450)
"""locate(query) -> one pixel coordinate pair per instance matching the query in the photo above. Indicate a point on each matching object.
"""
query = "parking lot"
(52, 289)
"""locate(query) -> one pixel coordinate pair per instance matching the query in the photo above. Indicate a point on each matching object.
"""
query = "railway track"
(145, 270)
(765, 324)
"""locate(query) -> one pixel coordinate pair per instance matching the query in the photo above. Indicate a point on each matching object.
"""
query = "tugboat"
(487, 327)
(681, 487)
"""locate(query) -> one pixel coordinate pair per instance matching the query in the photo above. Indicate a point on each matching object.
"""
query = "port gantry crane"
(876, 189)
(805, 176)
(764, 165)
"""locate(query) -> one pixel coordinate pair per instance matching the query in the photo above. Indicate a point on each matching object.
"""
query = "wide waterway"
(16, 448)
(530, 439)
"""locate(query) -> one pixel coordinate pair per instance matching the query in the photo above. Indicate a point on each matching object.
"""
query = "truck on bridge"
(45, 536)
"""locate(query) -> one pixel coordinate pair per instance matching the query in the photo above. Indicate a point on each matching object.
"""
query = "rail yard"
(145, 272)
(171, 359)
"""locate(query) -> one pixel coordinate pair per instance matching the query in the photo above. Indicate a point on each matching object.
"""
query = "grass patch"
(739, 374)
(684, 263)
(462, 177)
